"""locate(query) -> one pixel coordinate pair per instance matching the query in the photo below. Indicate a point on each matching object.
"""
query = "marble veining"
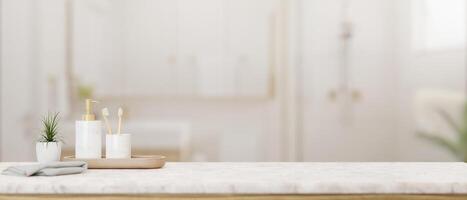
(253, 178)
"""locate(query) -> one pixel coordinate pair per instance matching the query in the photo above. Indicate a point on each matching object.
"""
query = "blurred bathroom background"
(238, 80)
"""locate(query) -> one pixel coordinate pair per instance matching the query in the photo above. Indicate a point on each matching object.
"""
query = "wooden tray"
(135, 162)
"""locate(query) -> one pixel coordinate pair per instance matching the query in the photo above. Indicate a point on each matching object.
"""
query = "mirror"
(184, 48)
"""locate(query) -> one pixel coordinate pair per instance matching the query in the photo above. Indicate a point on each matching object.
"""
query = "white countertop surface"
(253, 178)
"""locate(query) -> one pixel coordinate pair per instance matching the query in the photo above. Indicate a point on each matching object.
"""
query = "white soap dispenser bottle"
(88, 135)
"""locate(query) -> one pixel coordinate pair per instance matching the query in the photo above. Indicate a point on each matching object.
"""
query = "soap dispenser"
(88, 135)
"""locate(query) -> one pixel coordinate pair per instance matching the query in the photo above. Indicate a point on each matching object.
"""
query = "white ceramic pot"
(48, 151)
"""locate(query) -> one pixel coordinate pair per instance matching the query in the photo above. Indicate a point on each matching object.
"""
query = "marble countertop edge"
(253, 179)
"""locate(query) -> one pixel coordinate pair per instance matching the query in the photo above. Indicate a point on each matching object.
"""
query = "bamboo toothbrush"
(120, 115)
(105, 114)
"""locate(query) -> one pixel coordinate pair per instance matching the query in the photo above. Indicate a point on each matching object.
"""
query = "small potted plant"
(49, 146)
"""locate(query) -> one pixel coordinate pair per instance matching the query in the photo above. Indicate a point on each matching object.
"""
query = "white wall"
(19, 64)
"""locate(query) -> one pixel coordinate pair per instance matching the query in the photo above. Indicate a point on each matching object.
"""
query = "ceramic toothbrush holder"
(117, 146)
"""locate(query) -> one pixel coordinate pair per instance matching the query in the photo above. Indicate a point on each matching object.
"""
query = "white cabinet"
(249, 44)
(195, 48)
(201, 49)
(149, 47)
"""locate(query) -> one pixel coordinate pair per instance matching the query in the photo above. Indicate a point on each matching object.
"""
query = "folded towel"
(47, 169)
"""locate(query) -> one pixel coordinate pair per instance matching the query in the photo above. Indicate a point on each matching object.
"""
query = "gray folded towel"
(47, 169)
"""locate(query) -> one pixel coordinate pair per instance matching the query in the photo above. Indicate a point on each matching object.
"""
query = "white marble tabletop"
(253, 178)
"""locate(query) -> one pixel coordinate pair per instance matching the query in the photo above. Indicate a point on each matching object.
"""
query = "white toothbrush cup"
(118, 146)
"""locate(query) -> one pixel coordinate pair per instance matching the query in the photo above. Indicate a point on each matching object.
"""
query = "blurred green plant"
(457, 146)
(85, 92)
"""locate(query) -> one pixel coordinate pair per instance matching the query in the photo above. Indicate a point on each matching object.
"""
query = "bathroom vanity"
(250, 181)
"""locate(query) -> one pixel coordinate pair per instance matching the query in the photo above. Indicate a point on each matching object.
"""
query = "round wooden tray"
(135, 162)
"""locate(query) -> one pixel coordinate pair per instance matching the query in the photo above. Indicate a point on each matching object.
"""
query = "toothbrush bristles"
(105, 114)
